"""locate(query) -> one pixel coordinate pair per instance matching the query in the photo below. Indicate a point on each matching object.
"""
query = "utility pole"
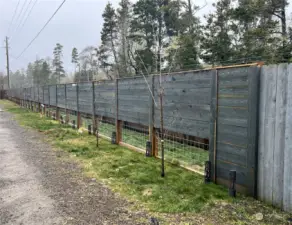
(7, 62)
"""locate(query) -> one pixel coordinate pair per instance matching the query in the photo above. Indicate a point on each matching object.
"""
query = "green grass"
(138, 178)
(127, 171)
(175, 152)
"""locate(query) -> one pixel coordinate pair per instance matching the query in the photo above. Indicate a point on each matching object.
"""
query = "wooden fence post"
(213, 124)
(152, 135)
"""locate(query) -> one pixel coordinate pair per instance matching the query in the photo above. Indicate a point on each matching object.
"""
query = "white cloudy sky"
(77, 24)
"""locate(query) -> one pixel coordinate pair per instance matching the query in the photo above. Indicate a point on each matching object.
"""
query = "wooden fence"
(275, 136)
(217, 105)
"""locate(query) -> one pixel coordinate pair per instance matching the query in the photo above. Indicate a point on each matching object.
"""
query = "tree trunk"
(284, 29)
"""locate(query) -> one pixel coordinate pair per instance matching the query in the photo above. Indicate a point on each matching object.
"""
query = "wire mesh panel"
(186, 99)
(71, 94)
(63, 115)
(53, 95)
(86, 121)
(61, 101)
(72, 118)
(184, 150)
(135, 134)
(106, 126)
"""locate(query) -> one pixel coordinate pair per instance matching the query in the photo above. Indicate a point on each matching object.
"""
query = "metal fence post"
(66, 107)
(93, 108)
(79, 122)
(57, 108)
(118, 123)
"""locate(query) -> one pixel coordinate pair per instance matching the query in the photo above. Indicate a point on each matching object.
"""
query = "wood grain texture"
(287, 178)
(281, 104)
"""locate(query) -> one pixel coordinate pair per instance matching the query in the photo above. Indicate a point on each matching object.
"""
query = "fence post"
(78, 113)
(39, 103)
(57, 108)
(213, 124)
(118, 123)
(93, 109)
(66, 106)
(152, 137)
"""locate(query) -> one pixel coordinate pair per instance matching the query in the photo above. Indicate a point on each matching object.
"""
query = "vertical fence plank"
(278, 164)
(213, 124)
(252, 130)
(270, 73)
(287, 184)
(261, 149)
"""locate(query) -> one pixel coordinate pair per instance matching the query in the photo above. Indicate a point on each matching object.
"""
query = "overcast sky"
(77, 24)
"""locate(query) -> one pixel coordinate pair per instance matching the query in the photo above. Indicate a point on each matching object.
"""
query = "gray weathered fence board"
(46, 95)
(280, 134)
(61, 101)
(186, 102)
(105, 99)
(85, 97)
(275, 129)
(71, 94)
(237, 96)
(287, 179)
(138, 112)
(52, 95)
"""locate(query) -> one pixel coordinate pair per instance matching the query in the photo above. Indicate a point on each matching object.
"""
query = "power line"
(23, 16)
(28, 15)
(13, 16)
(19, 15)
(41, 29)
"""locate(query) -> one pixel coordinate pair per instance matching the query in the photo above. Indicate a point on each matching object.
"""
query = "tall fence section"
(208, 115)
(275, 136)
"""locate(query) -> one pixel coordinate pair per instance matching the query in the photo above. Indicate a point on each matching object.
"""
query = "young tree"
(58, 63)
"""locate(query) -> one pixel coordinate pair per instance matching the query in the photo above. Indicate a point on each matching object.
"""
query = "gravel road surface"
(38, 185)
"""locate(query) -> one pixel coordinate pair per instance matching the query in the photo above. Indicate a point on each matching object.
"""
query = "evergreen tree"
(45, 73)
(75, 57)
(147, 33)
(108, 38)
(58, 63)
(216, 45)
(123, 24)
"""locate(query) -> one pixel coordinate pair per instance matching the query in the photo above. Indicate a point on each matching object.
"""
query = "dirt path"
(38, 186)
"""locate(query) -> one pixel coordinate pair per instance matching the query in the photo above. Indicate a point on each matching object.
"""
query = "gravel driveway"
(38, 185)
